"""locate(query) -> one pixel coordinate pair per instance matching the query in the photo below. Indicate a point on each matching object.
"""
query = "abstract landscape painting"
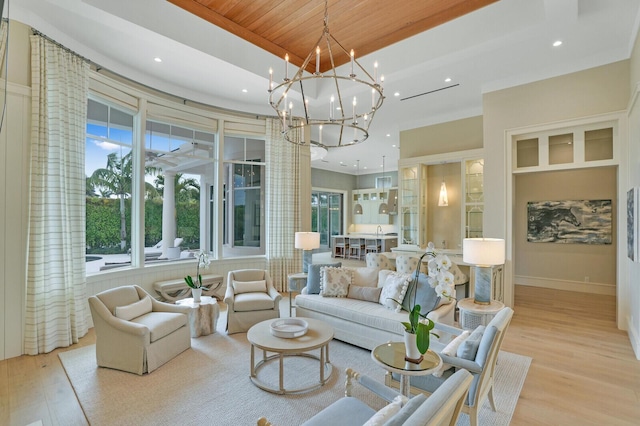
(569, 221)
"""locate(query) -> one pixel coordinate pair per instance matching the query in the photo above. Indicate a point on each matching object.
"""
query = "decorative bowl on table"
(289, 328)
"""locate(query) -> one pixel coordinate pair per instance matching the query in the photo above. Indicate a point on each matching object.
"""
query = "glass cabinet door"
(474, 198)
(412, 204)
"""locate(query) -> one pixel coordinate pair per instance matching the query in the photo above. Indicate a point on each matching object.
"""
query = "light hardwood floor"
(583, 370)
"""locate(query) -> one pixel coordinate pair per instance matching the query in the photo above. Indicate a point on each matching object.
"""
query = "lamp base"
(483, 285)
(307, 259)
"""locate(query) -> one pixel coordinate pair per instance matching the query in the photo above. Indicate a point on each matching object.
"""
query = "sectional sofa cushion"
(394, 287)
(365, 276)
(334, 282)
(313, 276)
(425, 295)
(369, 294)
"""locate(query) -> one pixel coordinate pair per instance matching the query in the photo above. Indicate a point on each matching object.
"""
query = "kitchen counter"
(387, 242)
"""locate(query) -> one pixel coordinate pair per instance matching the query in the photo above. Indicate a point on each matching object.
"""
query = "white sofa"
(361, 323)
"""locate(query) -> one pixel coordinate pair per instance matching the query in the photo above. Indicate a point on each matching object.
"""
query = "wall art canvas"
(632, 227)
(569, 222)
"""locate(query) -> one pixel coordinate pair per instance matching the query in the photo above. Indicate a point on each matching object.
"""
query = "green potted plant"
(196, 285)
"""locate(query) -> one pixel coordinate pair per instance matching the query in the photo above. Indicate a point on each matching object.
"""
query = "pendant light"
(357, 209)
(384, 208)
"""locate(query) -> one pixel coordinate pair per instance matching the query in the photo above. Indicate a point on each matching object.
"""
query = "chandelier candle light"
(483, 253)
(293, 105)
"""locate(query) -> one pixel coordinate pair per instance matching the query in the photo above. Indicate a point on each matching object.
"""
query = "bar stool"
(356, 247)
(371, 245)
(341, 247)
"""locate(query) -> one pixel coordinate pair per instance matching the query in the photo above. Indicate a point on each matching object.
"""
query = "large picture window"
(178, 171)
(243, 215)
(108, 168)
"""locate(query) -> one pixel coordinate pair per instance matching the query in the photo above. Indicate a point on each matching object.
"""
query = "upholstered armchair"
(476, 353)
(250, 298)
(135, 332)
(380, 261)
(442, 408)
(407, 264)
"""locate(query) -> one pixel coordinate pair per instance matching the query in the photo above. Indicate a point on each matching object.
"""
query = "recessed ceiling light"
(157, 59)
(393, 146)
(244, 90)
(388, 135)
(557, 43)
(447, 80)
(396, 94)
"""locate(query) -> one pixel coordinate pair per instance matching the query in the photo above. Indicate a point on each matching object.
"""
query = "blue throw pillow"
(469, 348)
(425, 295)
(313, 276)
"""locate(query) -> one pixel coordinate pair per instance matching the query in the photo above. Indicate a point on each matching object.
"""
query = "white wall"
(632, 270)
(14, 166)
(582, 94)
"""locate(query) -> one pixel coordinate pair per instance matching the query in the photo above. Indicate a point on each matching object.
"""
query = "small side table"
(203, 317)
(390, 356)
(474, 314)
(296, 283)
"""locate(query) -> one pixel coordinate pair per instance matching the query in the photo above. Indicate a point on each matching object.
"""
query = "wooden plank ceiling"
(294, 26)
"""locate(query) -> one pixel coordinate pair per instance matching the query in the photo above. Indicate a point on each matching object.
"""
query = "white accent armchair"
(135, 332)
(250, 298)
(440, 409)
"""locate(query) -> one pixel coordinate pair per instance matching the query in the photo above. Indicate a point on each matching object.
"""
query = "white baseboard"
(596, 288)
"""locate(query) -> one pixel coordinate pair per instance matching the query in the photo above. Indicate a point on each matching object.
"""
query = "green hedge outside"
(103, 224)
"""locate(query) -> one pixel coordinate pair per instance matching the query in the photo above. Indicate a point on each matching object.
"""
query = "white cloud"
(107, 146)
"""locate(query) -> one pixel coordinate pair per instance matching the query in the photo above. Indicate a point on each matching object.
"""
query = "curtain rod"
(60, 45)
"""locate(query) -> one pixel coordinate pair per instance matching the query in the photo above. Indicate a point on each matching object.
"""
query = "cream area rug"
(209, 384)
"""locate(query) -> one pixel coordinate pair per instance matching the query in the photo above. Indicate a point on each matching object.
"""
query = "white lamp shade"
(307, 240)
(483, 251)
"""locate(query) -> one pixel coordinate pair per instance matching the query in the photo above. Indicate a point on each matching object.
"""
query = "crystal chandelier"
(354, 100)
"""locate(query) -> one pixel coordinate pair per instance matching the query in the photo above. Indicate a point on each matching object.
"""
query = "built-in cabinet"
(370, 200)
(474, 198)
(412, 203)
(419, 184)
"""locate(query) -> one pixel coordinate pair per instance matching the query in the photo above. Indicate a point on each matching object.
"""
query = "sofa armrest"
(158, 306)
(472, 366)
(229, 296)
(379, 388)
(274, 294)
(99, 309)
(443, 314)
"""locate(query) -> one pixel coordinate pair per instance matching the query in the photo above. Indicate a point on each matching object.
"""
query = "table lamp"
(307, 241)
(483, 253)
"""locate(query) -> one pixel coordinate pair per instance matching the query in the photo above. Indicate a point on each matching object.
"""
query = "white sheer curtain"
(57, 313)
(283, 205)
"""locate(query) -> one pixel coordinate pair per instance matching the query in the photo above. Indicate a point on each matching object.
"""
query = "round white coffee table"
(318, 336)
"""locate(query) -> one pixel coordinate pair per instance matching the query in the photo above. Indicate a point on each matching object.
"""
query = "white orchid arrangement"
(203, 262)
(439, 276)
(442, 281)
